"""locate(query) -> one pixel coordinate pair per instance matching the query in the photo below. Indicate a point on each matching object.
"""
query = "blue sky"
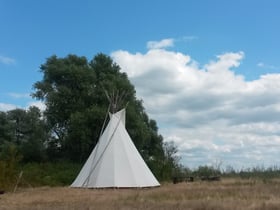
(241, 37)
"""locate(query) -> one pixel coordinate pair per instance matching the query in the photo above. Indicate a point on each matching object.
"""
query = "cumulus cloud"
(160, 44)
(208, 110)
(6, 107)
(6, 60)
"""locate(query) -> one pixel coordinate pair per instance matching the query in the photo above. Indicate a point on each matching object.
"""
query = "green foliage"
(260, 172)
(5, 128)
(254, 173)
(9, 159)
(27, 131)
(167, 165)
(67, 87)
(49, 174)
(74, 92)
(206, 171)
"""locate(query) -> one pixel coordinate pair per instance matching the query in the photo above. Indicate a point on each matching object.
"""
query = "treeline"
(263, 173)
(73, 90)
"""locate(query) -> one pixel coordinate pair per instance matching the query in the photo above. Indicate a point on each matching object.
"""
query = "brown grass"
(227, 194)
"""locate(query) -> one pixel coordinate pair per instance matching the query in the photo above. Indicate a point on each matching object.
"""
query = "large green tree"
(68, 90)
(75, 92)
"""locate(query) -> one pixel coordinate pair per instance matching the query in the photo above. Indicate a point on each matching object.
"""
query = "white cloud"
(225, 62)
(6, 60)
(6, 107)
(19, 95)
(38, 104)
(267, 66)
(25, 102)
(160, 44)
(210, 112)
(261, 64)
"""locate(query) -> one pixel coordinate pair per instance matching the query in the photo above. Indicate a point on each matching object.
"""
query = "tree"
(28, 132)
(5, 128)
(170, 164)
(67, 88)
(74, 91)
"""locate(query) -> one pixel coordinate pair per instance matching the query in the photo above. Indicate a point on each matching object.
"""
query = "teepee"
(115, 161)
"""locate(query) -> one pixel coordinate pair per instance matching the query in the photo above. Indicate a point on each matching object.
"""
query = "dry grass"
(227, 194)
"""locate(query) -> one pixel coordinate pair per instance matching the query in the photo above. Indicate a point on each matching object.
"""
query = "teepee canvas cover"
(115, 161)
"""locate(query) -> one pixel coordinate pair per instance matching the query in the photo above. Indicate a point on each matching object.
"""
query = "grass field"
(227, 194)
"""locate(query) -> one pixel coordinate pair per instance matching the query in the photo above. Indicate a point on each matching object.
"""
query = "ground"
(226, 194)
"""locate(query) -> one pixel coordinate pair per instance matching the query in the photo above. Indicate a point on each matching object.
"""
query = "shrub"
(50, 174)
(8, 166)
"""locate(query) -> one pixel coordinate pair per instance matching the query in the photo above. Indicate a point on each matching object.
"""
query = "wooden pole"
(18, 180)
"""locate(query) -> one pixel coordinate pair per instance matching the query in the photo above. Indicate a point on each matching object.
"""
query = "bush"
(8, 166)
(50, 174)
(206, 171)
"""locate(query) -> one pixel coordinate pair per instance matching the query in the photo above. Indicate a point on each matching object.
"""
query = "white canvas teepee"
(115, 161)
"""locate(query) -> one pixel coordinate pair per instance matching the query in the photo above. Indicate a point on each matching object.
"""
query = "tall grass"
(229, 194)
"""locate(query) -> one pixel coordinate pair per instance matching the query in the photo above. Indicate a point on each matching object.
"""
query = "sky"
(208, 71)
